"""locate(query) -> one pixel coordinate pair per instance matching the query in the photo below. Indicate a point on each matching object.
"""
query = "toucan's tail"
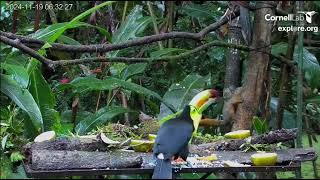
(163, 169)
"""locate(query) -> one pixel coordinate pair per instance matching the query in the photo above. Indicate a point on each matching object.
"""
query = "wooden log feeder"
(91, 155)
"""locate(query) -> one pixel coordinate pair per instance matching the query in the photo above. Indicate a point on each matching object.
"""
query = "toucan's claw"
(178, 161)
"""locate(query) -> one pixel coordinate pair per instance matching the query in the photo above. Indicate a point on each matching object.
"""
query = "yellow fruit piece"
(142, 145)
(46, 136)
(264, 159)
(212, 157)
(152, 137)
(240, 134)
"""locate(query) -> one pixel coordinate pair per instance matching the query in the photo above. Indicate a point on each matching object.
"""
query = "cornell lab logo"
(292, 17)
(308, 15)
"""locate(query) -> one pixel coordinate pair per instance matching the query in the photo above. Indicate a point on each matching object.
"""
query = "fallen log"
(57, 160)
(70, 144)
(92, 144)
(91, 153)
(68, 160)
(281, 135)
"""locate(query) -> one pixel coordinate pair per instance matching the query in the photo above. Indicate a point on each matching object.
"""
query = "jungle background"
(102, 86)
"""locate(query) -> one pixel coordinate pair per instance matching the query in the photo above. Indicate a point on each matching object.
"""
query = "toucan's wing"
(172, 137)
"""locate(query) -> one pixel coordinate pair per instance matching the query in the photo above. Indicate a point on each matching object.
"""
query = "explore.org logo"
(300, 16)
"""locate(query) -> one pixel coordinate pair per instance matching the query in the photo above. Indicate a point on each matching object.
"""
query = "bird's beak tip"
(214, 93)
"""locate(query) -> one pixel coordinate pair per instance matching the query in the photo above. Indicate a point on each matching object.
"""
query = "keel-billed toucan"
(175, 133)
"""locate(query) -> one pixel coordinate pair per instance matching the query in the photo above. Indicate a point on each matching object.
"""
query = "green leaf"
(90, 11)
(134, 24)
(42, 94)
(199, 11)
(166, 51)
(314, 99)
(279, 48)
(260, 125)
(47, 33)
(84, 84)
(116, 68)
(132, 69)
(310, 62)
(16, 157)
(81, 115)
(311, 66)
(23, 99)
(67, 40)
(18, 73)
(102, 116)
(180, 94)
(4, 142)
(73, 23)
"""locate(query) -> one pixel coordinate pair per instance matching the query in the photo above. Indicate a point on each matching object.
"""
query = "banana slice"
(264, 159)
(142, 145)
(212, 157)
(240, 134)
(152, 137)
(46, 136)
(107, 140)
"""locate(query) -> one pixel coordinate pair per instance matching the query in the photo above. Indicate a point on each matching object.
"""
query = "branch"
(136, 42)
(17, 44)
(165, 58)
(34, 54)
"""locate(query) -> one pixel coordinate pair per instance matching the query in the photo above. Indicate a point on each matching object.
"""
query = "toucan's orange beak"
(201, 98)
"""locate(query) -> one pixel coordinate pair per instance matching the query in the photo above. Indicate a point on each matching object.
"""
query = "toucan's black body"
(172, 141)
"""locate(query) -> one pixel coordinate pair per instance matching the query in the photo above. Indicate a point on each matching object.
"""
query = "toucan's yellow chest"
(196, 117)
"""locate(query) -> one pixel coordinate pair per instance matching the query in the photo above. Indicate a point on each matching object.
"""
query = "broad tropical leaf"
(81, 115)
(132, 69)
(102, 116)
(166, 51)
(311, 66)
(47, 33)
(198, 11)
(18, 73)
(23, 99)
(314, 99)
(180, 94)
(42, 94)
(134, 24)
(73, 23)
(68, 40)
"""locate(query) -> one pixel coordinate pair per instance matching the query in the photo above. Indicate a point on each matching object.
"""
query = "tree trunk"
(15, 20)
(266, 96)
(256, 68)
(233, 75)
(285, 82)
(37, 17)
